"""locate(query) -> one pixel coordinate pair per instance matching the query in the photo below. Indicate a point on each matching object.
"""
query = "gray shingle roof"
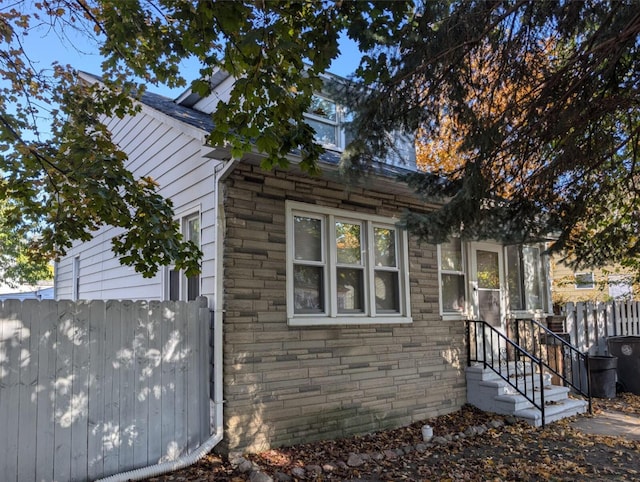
(203, 121)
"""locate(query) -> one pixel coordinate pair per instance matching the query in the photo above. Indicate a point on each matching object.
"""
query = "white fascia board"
(186, 129)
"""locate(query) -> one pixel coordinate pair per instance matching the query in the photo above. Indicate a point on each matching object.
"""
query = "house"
(42, 291)
(336, 320)
(611, 283)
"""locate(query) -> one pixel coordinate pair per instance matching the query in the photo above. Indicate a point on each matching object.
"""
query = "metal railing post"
(468, 335)
(542, 403)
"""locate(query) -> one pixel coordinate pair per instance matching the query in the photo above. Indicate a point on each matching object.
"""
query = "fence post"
(570, 323)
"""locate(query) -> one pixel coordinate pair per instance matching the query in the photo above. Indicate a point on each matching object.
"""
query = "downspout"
(220, 173)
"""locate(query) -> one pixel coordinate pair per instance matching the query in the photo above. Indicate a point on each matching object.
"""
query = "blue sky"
(45, 46)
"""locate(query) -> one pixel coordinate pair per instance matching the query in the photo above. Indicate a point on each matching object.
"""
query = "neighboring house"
(593, 284)
(336, 320)
(42, 291)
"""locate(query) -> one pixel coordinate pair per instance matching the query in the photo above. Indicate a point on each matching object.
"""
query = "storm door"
(488, 293)
(486, 277)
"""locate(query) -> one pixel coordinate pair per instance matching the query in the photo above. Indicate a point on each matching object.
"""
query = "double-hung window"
(452, 277)
(180, 286)
(344, 267)
(327, 119)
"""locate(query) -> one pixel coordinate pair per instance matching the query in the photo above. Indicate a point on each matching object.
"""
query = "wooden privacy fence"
(90, 389)
(590, 323)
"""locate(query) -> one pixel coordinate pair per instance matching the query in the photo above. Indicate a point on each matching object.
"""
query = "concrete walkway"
(618, 424)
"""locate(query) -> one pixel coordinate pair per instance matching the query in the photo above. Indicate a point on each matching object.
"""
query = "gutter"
(220, 173)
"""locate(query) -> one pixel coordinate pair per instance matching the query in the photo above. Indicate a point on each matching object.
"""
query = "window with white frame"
(344, 267)
(526, 278)
(585, 281)
(75, 290)
(452, 277)
(180, 286)
(327, 118)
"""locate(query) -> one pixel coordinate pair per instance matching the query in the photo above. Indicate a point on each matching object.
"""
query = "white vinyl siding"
(173, 157)
(345, 267)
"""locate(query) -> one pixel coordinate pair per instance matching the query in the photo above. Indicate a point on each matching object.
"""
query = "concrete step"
(488, 391)
(553, 411)
(476, 373)
(514, 401)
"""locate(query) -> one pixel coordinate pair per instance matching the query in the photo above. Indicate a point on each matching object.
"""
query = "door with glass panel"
(486, 272)
(488, 290)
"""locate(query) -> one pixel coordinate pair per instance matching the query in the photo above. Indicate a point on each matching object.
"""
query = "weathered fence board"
(89, 389)
(590, 324)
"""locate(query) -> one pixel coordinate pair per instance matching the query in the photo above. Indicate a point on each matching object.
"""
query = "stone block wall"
(285, 385)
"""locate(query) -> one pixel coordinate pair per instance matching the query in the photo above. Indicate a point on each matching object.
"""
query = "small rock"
(462, 435)
(471, 431)
(329, 467)
(245, 466)
(235, 460)
(390, 454)
(313, 469)
(280, 477)
(342, 465)
(298, 472)
(365, 457)
(496, 424)
(407, 449)
(439, 440)
(355, 460)
(480, 429)
(510, 420)
(421, 448)
(399, 452)
(377, 456)
(260, 477)
(449, 437)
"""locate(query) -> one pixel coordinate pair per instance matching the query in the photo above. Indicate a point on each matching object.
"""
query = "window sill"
(453, 316)
(348, 320)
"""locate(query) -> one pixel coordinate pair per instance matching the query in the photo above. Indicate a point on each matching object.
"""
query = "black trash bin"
(627, 349)
(602, 371)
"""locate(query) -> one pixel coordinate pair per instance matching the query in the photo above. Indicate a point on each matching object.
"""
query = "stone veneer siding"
(285, 385)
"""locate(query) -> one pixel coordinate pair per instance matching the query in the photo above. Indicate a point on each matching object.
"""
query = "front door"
(487, 299)
(488, 285)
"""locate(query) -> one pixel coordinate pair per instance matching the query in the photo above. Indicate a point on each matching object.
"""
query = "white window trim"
(338, 124)
(182, 217)
(450, 315)
(75, 276)
(333, 317)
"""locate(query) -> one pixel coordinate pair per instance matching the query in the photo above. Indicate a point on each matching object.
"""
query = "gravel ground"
(467, 445)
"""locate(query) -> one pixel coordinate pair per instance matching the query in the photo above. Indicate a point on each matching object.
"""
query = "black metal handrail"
(573, 365)
(507, 359)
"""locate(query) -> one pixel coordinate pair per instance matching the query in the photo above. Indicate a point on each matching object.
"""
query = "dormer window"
(327, 118)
